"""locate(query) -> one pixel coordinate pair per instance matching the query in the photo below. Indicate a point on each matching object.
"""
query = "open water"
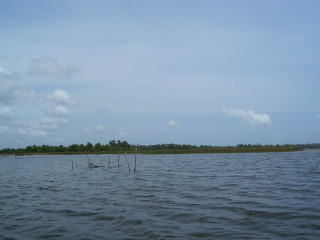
(196, 196)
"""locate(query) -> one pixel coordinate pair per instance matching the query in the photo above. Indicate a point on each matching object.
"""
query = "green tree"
(98, 147)
(89, 147)
(61, 148)
(74, 148)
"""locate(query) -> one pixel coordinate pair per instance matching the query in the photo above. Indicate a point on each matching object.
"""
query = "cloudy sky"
(159, 71)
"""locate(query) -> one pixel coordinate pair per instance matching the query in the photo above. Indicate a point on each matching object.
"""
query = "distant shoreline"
(115, 147)
(173, 151)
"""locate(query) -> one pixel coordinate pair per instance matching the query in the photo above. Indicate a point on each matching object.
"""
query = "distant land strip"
(114, 147)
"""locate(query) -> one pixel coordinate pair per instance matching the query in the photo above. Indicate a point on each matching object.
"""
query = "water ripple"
(199, 196)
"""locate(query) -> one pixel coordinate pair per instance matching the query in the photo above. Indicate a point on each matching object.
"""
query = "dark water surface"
(198, 196)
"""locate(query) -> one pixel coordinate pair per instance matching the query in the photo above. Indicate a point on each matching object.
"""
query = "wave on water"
(198, 196)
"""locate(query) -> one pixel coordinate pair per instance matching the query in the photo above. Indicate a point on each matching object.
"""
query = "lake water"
(196, 196)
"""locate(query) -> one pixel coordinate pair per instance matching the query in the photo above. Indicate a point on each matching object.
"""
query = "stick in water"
(135, 161)
(90, 164)
(125, 155)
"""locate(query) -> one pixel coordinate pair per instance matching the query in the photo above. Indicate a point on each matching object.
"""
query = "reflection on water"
(209, 196)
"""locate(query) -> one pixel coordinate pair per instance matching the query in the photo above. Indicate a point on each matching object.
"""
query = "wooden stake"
(90, 164)
(118, 159)
(135, 161)
(125, 155)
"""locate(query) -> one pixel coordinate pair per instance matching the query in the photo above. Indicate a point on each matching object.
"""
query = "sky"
(205, 72)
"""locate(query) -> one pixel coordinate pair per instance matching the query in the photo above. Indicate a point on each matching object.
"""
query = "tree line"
(120, 146)
(112, 146)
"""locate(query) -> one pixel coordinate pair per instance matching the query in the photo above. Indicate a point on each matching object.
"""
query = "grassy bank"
(223, 150)
(176, 150)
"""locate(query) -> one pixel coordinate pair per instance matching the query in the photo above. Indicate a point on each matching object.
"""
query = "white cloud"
(13, 90)
(121, 134)
(32, 132)
(58, 111)
(3, 129)
(61, 96)
(173, 123)
(53, 120)
(47, 123)
(61, 111)
(100, 128)
(49, 66)
(4, 71)
(250, 116)
(6, 114)
(40, 127)
(97, 128)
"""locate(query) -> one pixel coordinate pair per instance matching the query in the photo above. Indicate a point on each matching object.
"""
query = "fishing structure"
(92, 165)
(19, 155)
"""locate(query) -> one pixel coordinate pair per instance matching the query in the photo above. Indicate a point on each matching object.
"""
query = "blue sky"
(183, 71)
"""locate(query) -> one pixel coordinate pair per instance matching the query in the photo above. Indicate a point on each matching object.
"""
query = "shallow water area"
(188, 196)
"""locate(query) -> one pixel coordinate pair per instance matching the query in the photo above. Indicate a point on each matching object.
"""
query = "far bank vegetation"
(116, 146)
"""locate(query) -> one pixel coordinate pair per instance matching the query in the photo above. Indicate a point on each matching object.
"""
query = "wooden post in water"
(125, 155)
(89, 163)
(72, 163)
(109, 161)
(135, 161)
(118, 159)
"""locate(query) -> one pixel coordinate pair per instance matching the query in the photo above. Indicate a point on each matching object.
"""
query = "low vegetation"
(120, 146)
